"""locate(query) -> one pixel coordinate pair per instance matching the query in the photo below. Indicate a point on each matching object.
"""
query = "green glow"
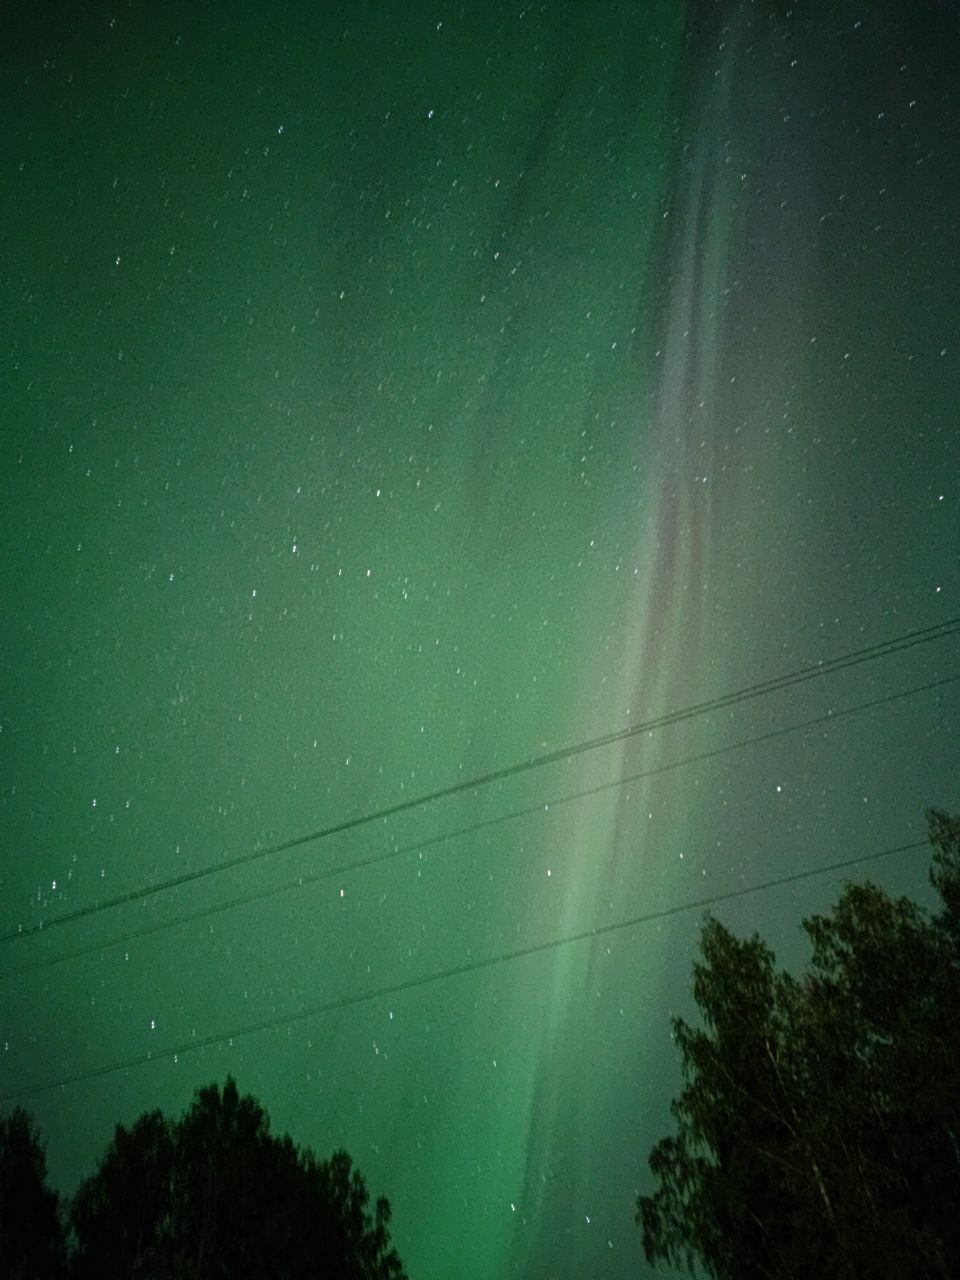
(344, 466)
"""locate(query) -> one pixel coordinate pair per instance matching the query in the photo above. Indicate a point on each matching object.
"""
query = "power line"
(471, 829)
(453, 971)
(895, 644)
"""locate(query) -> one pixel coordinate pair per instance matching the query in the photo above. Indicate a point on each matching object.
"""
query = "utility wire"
(243, 900)
(453, 971)
(895, 644)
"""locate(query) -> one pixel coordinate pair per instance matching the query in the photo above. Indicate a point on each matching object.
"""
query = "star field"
(394, 394)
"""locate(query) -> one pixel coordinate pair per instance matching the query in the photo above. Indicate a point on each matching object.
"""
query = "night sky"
(396, 393)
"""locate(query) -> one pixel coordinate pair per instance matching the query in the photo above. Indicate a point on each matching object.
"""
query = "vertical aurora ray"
(659, 659)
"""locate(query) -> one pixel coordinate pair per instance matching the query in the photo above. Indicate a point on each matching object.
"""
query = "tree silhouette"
(215, 1194)
(31, 1234)
(818, 1127)
(121, 1217)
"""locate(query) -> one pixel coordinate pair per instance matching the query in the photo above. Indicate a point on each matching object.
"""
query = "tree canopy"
(31, 1234)
(817, 1131)
(215, 1194)
(209, 1196)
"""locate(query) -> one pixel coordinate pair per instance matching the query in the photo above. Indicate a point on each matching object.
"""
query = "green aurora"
(394, 393)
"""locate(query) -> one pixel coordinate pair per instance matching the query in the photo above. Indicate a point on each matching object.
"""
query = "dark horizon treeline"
(817, 1133)
(211, 1196)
